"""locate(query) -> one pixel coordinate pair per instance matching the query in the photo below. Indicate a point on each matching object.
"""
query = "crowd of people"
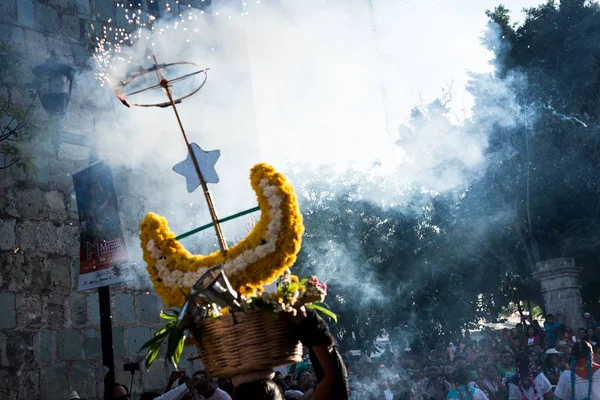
(528, 362)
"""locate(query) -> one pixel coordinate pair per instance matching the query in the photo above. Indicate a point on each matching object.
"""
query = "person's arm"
(180, 391)
(327, 362)
(174, 394)
(544, 386)
(479, 395)
(172, 379)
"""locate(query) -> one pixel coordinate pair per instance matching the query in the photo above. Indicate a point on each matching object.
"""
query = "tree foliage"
(422, 264)
(17, 124)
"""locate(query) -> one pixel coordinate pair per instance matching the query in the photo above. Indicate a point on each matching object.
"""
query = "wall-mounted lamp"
(54, 82)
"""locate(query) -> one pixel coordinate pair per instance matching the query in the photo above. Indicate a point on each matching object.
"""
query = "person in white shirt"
(528, 384)
(199, 384)
(582, 382)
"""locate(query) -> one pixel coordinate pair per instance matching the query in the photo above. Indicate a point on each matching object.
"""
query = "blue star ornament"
(206, 162)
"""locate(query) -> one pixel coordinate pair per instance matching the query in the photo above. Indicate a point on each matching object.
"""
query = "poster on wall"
(103, 256)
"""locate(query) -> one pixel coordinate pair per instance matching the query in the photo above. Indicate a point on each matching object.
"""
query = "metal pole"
(164, 83)
(108, 359)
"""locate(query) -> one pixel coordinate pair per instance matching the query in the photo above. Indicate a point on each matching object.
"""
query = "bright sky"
(439, 39)
(322, 71)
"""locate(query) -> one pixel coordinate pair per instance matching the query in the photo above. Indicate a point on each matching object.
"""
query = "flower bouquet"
(220, 303)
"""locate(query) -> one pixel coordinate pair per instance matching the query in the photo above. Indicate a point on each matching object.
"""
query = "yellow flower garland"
(255, 274)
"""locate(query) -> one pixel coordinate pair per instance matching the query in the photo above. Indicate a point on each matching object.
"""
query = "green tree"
(17, 123)
(545, 184)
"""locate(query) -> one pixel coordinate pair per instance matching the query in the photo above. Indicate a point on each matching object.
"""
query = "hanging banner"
(103, 255)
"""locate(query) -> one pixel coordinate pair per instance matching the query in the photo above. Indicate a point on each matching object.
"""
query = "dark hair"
(123, 386)
(201, 372)
(580, 350)
(264, 389)
(149, 396)
(523, 360)
(460, 376)
(581, 329)
(524, 368)
(549, 316)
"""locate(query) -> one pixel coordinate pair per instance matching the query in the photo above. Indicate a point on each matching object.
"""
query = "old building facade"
(49, 332)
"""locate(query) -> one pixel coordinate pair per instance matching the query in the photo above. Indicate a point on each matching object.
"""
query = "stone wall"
(49, 333)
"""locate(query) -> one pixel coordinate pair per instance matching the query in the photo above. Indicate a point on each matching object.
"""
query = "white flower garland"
(173, 279)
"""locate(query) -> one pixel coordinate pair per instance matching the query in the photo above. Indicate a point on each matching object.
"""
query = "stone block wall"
(49, 333)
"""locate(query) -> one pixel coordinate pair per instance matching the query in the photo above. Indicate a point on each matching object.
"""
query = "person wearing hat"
(550, 365)
(589, 321)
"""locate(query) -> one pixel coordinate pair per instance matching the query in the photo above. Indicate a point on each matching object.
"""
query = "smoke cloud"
(298, 85)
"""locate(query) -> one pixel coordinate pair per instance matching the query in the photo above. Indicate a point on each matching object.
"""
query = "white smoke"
(317, 82)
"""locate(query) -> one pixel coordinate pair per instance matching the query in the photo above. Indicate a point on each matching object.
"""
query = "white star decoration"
(206, 162)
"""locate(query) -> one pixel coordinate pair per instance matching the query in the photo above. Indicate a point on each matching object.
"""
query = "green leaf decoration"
(158, 338)
(169, 317)
(322, 310)
(177, 355)
(175, 337)
(152, 353)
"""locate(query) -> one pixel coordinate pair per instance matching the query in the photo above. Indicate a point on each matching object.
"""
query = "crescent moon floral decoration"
(219, 298)
(259, 259)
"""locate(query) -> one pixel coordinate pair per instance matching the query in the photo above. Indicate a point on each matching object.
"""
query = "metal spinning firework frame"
(198, 168)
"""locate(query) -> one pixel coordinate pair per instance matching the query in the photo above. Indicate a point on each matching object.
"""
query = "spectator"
(198, 383)
(435, 387)
(552, 329)
(466, 338)
(492, 384)
(597, 354)
(539, 330)
(506, 364)
(538, 350)
(226, 385)
(527, 383)
(581, 335)
(462, 390)
(575, 384)
(564, 335)
(448, 371)
(550, 366)
(517, 345)
(387, 357)
(589, 321)
(519, 332)
(306, 382)
(590, 336)
(460, 362)
(532, 338)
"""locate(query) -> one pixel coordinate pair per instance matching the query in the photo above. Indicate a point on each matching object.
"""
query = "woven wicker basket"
(239, 343)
